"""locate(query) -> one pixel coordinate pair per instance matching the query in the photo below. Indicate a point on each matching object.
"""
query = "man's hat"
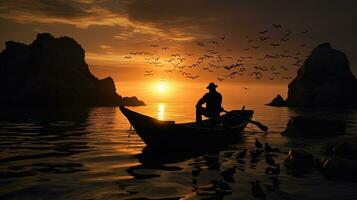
(211, 85)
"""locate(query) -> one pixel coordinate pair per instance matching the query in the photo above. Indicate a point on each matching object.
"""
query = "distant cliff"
(325, 79)
(52, 72)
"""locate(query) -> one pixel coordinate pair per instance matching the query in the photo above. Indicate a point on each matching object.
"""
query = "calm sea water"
(91, 154)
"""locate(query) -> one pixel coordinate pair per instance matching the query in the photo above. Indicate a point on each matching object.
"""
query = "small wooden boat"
(168, 135)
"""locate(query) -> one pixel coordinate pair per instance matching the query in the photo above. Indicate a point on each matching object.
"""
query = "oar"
(258, 124)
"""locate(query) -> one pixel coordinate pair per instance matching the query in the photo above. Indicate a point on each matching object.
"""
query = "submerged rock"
(325, 79)
(339, 169)
(299, 162)
(277, 101)
(302, 126)
(53, 72)
(342, 148)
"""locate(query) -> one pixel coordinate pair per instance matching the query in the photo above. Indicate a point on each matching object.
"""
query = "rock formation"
(325, 79)
(277, 101)
(52, 72)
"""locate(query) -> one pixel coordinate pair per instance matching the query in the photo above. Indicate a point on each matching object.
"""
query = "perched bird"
(257, 190)
(228, 174)
(268, 148)
(258, 144)
(256, 153)
(273, 170)
(196, 172)
(269, 160)
(241, 154)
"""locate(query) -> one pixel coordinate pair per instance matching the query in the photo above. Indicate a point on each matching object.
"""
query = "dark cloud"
(55, 8)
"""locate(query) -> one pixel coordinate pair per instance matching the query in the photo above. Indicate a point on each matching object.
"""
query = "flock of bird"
(223, 63)
(236, 160)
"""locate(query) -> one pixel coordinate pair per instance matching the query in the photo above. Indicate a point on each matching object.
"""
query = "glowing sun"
(161, 87)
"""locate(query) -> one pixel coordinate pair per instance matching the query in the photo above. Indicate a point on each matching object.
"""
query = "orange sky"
(109, 30)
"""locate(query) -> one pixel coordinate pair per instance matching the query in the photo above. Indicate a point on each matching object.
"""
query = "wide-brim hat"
(211, 85)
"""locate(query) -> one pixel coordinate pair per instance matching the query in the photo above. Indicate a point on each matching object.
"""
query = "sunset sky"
(110, 31)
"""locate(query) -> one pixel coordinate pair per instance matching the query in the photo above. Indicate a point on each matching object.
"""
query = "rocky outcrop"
(53, 72)
(325, 79)
(278, 101)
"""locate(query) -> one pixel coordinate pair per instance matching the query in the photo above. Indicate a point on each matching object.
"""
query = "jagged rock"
(277, 101)
(131, 101)
(325, 79)
(312, 127)
(53, 72)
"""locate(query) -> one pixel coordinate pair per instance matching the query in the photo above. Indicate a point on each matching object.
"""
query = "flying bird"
(263, 32)
(277, 26)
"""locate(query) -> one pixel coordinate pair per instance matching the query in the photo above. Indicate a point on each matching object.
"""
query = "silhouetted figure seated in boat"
(213, 101)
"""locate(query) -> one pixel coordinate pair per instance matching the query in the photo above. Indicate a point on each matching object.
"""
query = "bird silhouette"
(269, 160)
(262, 38)
(228, 174)
(192, 77)
(257, 190)
(241, 155)
(268, 148)
(258, 144)
(273, 170)
(263, 32)
(220, 79)
(277, 25)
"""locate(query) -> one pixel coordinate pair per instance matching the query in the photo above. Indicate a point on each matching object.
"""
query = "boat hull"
(166, 135)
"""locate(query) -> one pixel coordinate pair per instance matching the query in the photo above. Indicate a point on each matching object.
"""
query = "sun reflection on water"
(161, 111)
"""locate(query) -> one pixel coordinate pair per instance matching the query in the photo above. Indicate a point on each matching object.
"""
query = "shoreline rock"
(53, 72)
(324, 80)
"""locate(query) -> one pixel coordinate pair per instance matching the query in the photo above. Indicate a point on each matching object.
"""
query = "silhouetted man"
(213, 101)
